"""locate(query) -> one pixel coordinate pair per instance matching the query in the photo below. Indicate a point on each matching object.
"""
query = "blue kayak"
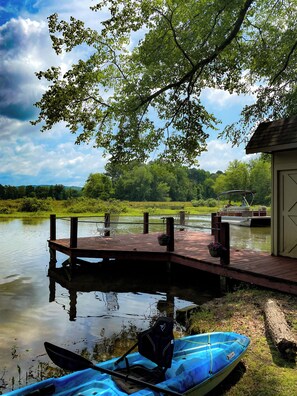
(196, 364)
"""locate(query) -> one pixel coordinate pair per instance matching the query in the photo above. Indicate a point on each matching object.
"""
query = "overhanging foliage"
(135, 98)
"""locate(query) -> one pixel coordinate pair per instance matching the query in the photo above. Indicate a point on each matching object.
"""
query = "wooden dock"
(190, 249)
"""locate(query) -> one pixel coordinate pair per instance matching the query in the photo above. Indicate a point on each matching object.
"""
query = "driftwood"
(279, 330)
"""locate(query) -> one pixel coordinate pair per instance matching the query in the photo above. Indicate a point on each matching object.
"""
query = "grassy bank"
(263, 371)
(22, 208)
(32, 207)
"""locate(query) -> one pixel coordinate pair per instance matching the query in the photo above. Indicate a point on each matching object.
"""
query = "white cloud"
(77, 8)
(223, 99)
(35, 158)
(220, 154)
(24, 49)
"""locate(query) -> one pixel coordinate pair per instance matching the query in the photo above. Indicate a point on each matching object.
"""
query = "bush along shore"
(42, 208)
(33, 207)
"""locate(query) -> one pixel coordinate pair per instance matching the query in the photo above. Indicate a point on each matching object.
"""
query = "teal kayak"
(197, 365)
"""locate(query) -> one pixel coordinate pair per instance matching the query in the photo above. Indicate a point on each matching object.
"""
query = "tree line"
(57, 192)
(160, 182)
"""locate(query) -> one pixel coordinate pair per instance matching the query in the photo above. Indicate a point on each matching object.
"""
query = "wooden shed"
(279, 138)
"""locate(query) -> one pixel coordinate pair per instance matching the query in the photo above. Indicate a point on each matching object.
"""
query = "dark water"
(35, 308)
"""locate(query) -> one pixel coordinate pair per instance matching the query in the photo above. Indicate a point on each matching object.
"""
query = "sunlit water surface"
(30, 313)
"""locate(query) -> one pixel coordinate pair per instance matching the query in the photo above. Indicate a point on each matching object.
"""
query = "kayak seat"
(155, 344)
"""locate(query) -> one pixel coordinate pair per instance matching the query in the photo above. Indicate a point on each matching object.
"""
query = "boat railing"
(242, 211)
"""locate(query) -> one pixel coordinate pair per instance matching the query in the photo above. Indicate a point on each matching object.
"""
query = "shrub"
(198, 202)
(34, 205)
(211, 202)
(92, 205)
(5, 210)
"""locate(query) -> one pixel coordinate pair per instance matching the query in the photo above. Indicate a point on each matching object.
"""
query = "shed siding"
(284, 190)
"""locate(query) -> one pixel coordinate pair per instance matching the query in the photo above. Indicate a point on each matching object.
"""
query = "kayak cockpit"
(155, 344)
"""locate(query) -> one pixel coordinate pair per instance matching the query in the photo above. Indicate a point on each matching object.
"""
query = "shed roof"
(273, 136)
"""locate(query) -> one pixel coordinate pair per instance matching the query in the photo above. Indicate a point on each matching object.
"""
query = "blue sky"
(28, 156)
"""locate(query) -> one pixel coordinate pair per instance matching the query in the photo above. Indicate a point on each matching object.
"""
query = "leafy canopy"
(135, 96)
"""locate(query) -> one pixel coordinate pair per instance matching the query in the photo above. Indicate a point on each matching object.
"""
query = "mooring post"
(224, 239)
(182, 219)
(53, 227)
(107, 224)
(53, 237)
(73, 232)
(212, 229)
(170, 233)
(145, 223)
(217, 221)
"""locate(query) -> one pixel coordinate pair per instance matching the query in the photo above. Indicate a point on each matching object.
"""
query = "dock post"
(182, 219)
(73, 232)
(53, 236)
(224, 239)
(212, 224)
(216, 227)
(145, 223)
(107, 224)
(170, 233)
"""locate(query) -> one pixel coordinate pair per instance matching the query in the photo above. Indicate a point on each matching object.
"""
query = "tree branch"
(286, 63)
(169, 20)
(206, 60)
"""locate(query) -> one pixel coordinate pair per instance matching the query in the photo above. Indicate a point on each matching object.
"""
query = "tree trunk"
(280, 332)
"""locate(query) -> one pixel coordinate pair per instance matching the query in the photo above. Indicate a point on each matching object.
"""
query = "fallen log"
(279, 330)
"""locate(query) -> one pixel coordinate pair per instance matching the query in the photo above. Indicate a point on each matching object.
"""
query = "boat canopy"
(242, 193)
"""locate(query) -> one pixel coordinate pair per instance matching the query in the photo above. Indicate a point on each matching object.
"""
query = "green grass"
(92, 207)
(95, 207)
(264, 372)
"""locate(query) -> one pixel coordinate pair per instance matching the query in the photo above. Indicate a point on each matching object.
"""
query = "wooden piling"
(170, 233)
(145, 223)
(212, 224)
(53, 236)
(182, 219)
(216, 226)
(107, 224)
(224, 239)
(73, 232)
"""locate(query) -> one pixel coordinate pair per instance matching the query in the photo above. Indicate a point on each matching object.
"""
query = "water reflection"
(118, 287)
(254, 238)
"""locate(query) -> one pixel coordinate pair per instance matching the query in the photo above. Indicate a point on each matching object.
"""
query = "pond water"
(34, 309)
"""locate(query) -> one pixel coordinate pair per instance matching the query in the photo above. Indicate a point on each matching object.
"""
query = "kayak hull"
(200, 362)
